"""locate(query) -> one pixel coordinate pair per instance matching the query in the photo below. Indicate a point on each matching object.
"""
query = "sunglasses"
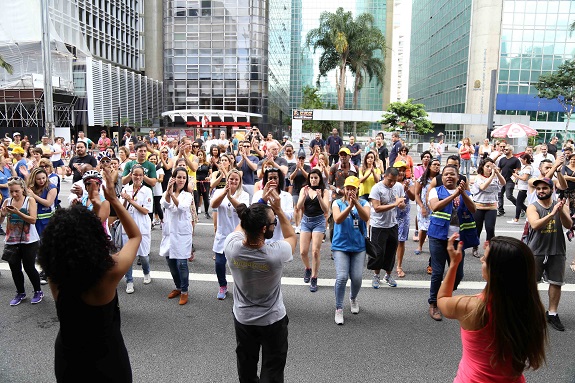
(105, 161)
(275, 222)
(14, 179)
(195, 146)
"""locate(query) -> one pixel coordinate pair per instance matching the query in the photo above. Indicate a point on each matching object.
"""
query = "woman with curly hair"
(503, 328)
(138, 200)
(177, 231)
(203, 181)
(21, 240)
(83, 271)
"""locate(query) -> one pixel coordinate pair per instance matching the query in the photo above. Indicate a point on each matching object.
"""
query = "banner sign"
(302, 114)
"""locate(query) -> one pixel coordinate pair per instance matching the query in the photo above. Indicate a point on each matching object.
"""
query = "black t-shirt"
(299, 180)
(508, 165)
(552, 149)
(87, 159)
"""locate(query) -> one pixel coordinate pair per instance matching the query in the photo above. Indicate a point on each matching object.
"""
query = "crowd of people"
(260, 193)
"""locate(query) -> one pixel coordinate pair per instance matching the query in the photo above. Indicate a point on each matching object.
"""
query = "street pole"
(492, 94)
(47, 66)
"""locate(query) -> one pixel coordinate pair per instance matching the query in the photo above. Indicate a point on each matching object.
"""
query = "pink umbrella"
(514, 130)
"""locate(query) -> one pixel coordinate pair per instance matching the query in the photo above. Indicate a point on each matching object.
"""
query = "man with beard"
(260, 317)
(81, 157)
(545, 238)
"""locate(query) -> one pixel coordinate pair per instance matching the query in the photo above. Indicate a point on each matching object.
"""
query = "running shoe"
(354, 306)
(18, 299)
(555, 322)
(129, 288)
(339, 316)
(390, 281)
(223, 292)
(313, 285)
(307, 275)
(375, 281)
(37, 298)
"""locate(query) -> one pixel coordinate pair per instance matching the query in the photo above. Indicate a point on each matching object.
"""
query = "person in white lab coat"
(177, 232)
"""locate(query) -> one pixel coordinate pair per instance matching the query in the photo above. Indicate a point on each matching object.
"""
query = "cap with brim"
(301, 156)
(18, 150)
(351, 181)
(400, 164)
(344, 150)
(103, 131)
(545, 180)
(15, 134)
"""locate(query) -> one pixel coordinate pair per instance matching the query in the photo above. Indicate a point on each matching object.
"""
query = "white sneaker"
(199, 210)
(297, 230)
(129, 287)
(354, 306)
(147, 279)
(513, 222)
(339, 316)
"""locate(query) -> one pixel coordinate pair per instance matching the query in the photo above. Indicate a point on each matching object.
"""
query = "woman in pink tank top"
(503, 329)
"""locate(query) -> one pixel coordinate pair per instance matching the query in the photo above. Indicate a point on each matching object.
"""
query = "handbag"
(371, 248)
(116, 234)
(11, 252)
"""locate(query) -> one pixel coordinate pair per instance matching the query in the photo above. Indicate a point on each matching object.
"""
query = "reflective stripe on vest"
(441, 215)
(467, 226)
(45, 215)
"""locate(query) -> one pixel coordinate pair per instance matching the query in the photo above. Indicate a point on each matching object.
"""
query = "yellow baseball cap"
(345, 150)
(351, 181)
(18, 150)
(400, 164)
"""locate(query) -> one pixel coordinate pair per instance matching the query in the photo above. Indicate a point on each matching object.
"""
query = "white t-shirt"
(228, 218)
(257, 273)
(287, 207)
(56, 156)
(157, 190)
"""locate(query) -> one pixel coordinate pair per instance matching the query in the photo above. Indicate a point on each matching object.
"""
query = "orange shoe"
(429, 270)
(183, 298)
(174, 294)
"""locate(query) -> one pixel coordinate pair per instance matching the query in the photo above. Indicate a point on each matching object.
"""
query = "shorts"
(56, 164)
(313, 224)
(403, 229)
(554, 267)
(422, 221)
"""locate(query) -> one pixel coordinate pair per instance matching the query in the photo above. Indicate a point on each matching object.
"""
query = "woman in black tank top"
(314, 201)
(89, 345)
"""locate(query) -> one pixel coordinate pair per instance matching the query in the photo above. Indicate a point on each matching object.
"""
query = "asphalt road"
(392, 338)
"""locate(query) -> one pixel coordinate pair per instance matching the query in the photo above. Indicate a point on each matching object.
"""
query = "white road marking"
(289, 281)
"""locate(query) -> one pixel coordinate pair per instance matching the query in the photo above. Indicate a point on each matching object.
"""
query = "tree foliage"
(406, 116)
(312, 100)
(345, 43)
(560, 85)
(6, 66)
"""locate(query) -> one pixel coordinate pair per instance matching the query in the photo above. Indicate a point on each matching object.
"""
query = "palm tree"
(333, 38)
(364, 60)
(572, 27)
(6, 66)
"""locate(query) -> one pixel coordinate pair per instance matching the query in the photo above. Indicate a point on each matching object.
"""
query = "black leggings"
(24, 256)
(520, 205)
(487, 216)
(158, 208)
(202, 190)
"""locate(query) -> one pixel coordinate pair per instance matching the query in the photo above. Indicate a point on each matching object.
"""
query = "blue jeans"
(347, 265)
(145, 268)
(465, 166)
(221, 269)
(439, 255)
(180, 273)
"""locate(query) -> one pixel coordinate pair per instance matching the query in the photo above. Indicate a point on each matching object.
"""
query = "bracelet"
(261, 200)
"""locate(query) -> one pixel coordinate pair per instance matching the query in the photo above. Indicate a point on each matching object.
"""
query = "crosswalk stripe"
(326, 282)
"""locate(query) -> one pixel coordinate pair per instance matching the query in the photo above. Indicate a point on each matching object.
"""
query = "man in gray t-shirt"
(546, 240)
(385, 196)
(259, 313)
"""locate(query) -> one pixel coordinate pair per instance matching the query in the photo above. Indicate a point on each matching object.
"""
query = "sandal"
(429, 270)
(400, 273)
(572, 266)
(475, 252)
(417, 252)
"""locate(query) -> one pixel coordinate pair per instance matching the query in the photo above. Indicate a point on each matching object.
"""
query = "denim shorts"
(403, 228)
(313, 224)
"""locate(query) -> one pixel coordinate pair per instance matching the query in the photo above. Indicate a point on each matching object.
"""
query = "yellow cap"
(351, 181)
(18, 150)
(345, 150)
(400, 164)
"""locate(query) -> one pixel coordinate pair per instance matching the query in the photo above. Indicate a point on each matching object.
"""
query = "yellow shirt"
(190, 172)
(365, 186)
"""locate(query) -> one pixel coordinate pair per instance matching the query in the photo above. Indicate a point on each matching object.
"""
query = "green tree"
(311, 99)
(334, 36)
(560, 85)
(6, 66)
(366, 58)
(407, 115)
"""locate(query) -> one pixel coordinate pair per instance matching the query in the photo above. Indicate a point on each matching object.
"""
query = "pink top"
(418, 171)
(475, 366)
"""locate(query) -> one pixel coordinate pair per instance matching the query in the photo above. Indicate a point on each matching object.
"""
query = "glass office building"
(439, 54)
(217, 56)
(304, 63)
(535, 40)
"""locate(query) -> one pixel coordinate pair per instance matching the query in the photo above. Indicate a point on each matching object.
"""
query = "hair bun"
(241, 210)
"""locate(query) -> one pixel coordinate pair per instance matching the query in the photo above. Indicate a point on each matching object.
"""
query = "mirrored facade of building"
(439, 54)
(304, 63)
(535, 40)
(217, 55)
